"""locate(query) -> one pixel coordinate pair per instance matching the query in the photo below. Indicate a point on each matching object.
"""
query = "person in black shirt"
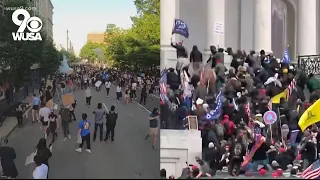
(48, 94)
(182, 56)
(53, 125)
(19, 115)
(7, 156)
(111, 117)
(43, 152)
(195, 55)
(144, 94)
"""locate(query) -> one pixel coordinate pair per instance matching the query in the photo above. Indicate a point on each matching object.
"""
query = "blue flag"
(215, 114)
(180, 27)
(286, 58)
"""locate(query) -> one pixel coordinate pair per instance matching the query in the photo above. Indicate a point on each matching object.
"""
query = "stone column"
(307, 24)
(215, 14)
(167, 15)
(262, 25)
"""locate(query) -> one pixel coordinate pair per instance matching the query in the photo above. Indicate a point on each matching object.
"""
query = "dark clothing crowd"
(230, 104)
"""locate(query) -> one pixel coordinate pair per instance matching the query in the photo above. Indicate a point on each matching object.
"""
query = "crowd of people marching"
(48, 109)
(251, 115)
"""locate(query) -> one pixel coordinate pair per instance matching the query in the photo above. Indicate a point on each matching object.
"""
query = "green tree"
(139, 46)
(148, 6)
(89, 52)
(51, 59)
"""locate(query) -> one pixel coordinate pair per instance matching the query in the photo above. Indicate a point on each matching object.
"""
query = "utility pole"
(67, 40)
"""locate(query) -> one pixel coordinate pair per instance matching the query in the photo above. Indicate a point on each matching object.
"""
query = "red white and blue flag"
(163, 85)
(312, 172)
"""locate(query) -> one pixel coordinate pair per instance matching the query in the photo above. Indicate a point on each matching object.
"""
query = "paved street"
(128, 157)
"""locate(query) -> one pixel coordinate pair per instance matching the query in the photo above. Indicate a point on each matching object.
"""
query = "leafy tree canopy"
(93, 52)
(134, 48)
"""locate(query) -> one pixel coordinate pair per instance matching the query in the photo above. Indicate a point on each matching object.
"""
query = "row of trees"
(134, 48)
(16, 57)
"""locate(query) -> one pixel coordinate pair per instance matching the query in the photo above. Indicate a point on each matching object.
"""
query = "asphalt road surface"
(128, 157)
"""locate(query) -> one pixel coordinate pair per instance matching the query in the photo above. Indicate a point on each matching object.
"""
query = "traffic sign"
(270, 117)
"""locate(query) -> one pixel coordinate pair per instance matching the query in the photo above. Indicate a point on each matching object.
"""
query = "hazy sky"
(81, 17)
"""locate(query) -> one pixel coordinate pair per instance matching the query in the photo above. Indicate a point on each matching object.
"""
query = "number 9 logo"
(34, 24)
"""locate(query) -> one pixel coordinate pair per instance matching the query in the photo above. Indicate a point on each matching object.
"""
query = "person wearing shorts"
(35, 108)
(44, 113)
(153, 132)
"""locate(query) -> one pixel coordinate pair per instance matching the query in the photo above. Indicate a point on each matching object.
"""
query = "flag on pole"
(180, 27)
(286, 58)
(312, 172)
(248, 109)
(235, 104)
(291, 87)
(214, 114)
(310, 116)
(270, 105)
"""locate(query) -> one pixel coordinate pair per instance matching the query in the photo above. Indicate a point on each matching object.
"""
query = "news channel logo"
(34, 25)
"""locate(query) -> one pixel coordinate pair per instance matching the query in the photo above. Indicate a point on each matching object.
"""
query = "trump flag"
(180, 27)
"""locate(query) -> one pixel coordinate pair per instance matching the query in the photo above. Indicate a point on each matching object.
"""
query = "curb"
(14, 127)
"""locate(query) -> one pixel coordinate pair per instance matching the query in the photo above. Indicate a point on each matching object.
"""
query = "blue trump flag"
(286, 58)
(215, 114)
(180, 27)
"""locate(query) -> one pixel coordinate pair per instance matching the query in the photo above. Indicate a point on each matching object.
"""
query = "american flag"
(312, 172)
(270, 105)
(291, 87)
(163, 84)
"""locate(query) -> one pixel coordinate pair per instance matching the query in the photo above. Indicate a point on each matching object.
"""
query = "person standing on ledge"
(182, 56)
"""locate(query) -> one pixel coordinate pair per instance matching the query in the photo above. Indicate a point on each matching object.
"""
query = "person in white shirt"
(134, 90)
(44, 113)
(88, 94)
(118, 92)
(108, 86)
(41, 170)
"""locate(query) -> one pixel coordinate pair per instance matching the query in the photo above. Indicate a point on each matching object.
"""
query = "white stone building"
(246, 24)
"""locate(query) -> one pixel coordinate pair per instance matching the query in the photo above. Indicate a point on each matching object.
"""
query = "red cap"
(262, 171)
(193, 167)
(282, 150)
(274, 174)
(226, 116)
(279, 172)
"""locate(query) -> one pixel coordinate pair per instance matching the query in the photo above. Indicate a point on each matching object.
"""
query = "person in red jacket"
(229, 127)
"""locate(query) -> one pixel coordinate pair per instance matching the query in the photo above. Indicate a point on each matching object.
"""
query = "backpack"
(220, 129)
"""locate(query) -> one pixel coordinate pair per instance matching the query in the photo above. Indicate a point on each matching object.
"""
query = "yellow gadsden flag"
(310, 116)
(276, 98)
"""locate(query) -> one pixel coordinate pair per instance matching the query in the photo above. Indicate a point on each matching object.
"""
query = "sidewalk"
(11, 123)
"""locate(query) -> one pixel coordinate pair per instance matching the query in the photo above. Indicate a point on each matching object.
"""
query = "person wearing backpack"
(111, 117)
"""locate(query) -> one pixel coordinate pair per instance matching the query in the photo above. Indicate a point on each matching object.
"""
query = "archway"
(283, 27)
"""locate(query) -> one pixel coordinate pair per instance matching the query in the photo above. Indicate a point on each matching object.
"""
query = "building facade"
(44, 9)
(271, 25)
(95, 37)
